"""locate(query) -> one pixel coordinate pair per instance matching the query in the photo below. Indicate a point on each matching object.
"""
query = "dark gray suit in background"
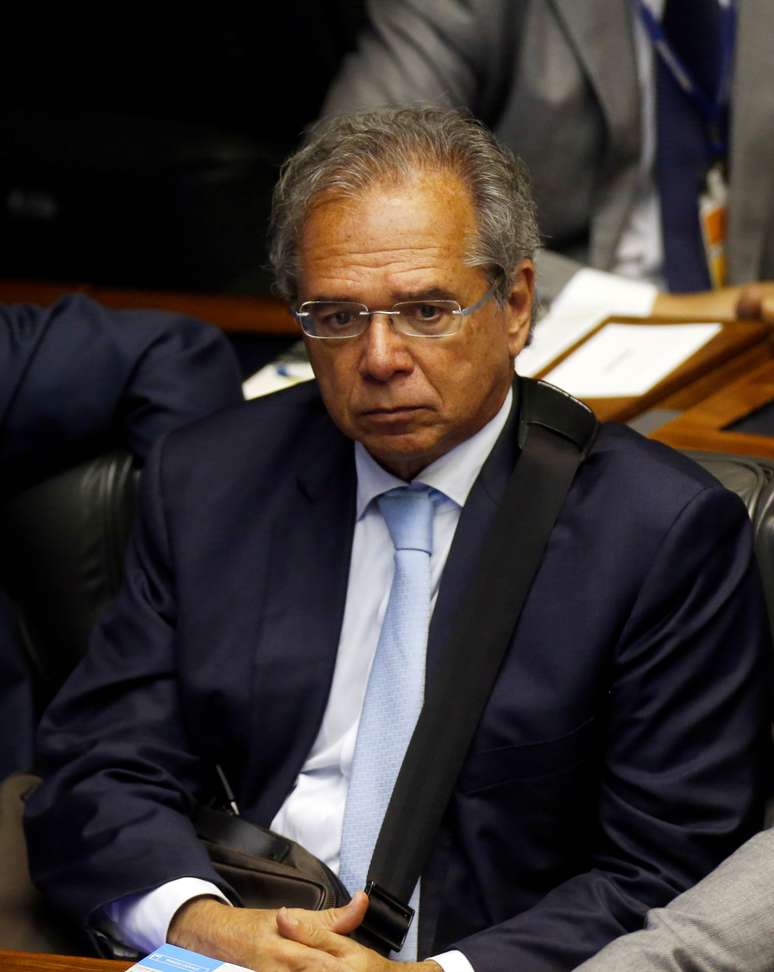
(557, 81)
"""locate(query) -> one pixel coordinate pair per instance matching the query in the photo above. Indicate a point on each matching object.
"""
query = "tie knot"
(408, 513)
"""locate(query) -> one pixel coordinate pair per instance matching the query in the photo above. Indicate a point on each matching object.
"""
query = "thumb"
(317, 928)
(349, 916)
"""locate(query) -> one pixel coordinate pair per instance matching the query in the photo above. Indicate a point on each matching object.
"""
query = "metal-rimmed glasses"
(336, 320)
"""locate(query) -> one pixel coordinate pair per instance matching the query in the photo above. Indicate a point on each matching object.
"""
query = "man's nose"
(385, 352)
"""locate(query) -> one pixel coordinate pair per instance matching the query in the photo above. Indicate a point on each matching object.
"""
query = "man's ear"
(519, 306)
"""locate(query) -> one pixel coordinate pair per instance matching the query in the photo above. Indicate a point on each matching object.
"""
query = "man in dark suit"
(621, 752)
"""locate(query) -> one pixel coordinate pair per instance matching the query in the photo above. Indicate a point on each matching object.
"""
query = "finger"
(303, 928)
(283, 955)
(748, 305)
(767, 308)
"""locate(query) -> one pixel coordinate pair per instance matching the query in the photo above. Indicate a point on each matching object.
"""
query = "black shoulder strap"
(555, 433)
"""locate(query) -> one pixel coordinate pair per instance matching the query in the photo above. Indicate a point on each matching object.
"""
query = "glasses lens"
(428, 318)
(332, 319)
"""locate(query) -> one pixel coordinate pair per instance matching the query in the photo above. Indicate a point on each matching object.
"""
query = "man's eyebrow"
(430, 293)
(396, 297)
(334, 299)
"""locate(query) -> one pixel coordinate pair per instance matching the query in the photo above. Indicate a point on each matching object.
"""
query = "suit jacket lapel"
(601, 33)
(460, 567)
(302, 611)
(462, 561)
(752, 140)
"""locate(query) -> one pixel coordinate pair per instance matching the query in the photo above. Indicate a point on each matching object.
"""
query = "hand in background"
(754, 301)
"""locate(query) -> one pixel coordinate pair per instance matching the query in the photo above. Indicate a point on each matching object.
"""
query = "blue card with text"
(170, 958)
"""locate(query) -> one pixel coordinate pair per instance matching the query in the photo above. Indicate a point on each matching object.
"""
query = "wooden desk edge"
(13, 961)
(736, 338)
(262, 314)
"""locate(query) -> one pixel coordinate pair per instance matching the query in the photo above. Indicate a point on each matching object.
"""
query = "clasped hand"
(287, 940)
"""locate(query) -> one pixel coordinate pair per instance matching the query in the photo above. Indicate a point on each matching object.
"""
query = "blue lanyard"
(712, 105)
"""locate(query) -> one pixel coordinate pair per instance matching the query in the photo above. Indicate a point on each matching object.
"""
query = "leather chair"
(62, 546)
(61, 554)
(752, 479)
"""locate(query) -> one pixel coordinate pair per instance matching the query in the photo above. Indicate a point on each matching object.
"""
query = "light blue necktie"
(396, 686)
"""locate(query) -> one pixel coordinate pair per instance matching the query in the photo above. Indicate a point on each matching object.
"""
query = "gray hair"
(346, 154)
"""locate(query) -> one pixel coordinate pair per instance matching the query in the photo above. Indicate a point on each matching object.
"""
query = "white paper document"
(276, 376)
(623, 360)
(589, 297)
(552, 336)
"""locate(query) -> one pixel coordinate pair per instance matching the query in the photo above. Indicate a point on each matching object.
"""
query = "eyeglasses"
(332, 320)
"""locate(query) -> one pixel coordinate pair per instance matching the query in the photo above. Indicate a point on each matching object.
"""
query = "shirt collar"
(452, 474)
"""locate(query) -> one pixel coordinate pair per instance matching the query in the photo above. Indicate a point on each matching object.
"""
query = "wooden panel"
(230, 312)
(34, 962)
(39, 292)
(738, 367)
(705, 425)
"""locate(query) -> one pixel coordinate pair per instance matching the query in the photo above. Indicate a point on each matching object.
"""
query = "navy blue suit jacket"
(620, 757)
(77, 378)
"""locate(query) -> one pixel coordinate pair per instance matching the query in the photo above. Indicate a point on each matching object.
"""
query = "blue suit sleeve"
(79, 378)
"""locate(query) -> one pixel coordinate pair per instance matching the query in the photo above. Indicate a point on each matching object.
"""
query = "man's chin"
(403, 455)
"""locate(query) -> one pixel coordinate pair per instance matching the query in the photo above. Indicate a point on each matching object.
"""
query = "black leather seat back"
(62, 546)
(753, 480)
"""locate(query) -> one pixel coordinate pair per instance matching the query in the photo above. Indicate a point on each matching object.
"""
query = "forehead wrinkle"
(400, 282)
(382, 258)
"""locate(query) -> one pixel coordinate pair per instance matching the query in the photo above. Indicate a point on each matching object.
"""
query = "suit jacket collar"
(302, 609)
(460, 567)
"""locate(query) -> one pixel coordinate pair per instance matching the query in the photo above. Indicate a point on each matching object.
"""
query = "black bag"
(265, 869)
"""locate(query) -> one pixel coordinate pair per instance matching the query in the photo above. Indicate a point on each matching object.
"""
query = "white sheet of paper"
(628, 359)
(589, 297)
(552, 336)
(276, 376)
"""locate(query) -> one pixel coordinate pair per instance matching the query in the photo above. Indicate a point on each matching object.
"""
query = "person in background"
(648, 127)
(725, 922)
(77, 378)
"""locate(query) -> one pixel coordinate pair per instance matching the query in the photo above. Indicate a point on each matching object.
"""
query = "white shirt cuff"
(142, 920)
(608, 292)
(452, 962)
